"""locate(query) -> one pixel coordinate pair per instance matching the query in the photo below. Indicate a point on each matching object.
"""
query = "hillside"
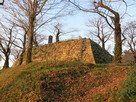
(65, 82)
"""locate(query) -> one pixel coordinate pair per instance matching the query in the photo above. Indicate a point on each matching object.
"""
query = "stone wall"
(72, 50)
(83, 50)
(100, 54)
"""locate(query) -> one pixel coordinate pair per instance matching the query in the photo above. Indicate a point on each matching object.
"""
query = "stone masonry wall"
(72, 50)
(100, 54)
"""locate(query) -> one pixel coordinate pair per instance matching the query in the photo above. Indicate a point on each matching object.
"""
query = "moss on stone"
(100, 54)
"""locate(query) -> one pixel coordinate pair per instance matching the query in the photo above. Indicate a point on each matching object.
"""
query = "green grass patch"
(40, 82)
(128, 90)
(54, 81)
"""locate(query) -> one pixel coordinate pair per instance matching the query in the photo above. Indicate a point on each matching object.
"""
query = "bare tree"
(32, 9)
(39, 39)
(130, 33)
(6, 43)
(23, 47)
(128, 57)
(25, 13)
(29, 14)
(117, 28)
(59, 31)
(100, 30)
(112, 17)
(15, 53)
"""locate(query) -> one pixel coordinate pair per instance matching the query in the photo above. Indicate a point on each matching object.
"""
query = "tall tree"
(117, 28)
(26, 13)
(112, 17)
(23, 47)
(6, 43)
(100, 30)
(59, 31)
(30, 15)
(32, 8)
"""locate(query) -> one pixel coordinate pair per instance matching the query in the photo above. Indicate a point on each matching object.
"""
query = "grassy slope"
(42, 82)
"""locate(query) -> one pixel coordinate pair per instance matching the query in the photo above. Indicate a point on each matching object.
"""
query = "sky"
(78, 21)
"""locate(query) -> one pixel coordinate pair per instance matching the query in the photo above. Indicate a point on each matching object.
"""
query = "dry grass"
(61, 82)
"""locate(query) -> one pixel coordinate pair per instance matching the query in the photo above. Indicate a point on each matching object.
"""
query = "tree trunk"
(57, 37)
(6, 63)
(30, 41)
(134, 59)
(23, 51)
(118, 41)
(21, 58)
(117, 31)
(133, 53)
(103, 44)
(35, 41)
